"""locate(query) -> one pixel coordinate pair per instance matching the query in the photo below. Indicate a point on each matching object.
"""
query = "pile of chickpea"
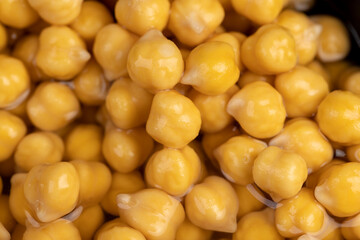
(177, 120)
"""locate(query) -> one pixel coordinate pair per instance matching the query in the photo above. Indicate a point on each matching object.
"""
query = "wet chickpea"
(154, 213)
(38, 148)
(141, 16)
(62, 53)
(319, 68)
(189, 231)
(3, 37)
(52, 106)
(89, 221)
(6, 217)
(17, 14)
(259, 109)
(118, 230)
(249, 77)
(193, 21)
(128, 104)
(111, 47)
(247, 200)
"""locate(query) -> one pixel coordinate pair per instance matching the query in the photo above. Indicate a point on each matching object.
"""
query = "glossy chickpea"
(257, 225)
(38, 148)
(350, 228)
(111, 48)
(52, 106)
(334, 41)
(121, 183)
(249, 77)
(236, 158)
(259, 109)
(57, 230)
(126, 150)
(141, 16)
(128, 104)
(173, 170)
(174, 120)
(59, 12)
(92, 17)
(84, 142)
(4, 233)
(14, 83)
(214, 117)
(154, 62)
(337, 189)
(211, 68)
(62, 53)
(90, 86)
(319, 68)
(249, 200)
(279, 172)
(189, 231)
(213, 205)
(118, 230)
(302, 90)
(153, 212)
(270, 50)
(89, 221)
(17, 14)
(6, 217)
(299, 215)
(193, 21)
(52, 190)
(12, 131)
(337, 117)
(258, 12)
(18, 232)
(3, 37)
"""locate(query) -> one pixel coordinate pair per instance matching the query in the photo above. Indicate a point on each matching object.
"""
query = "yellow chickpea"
(248, 202)
(236, 158)
(93, 16)
(337, 189)
(12, 130)
(350, 228)
(279, 172)
(249, 77)
(118, 230)
(211, 68)
(6, 217)
(174, 120)
(60, 12)
(350, 80)
(337, 117)
(17, 14)
(214, 117)
(111, 48)
(259, 109)
(154, 213)
(52, 106)
(141, 16)
(334, 41)
(335, 70)
(154, 62)
(213, 205)
(14, 83)
(173, 170)
(4, 233)
(18, 232)
(257, 225)
(38, 148)
(259, 12)
(319, 68)
(302, 136)
(189, 231)
(62, 53)
(193, 21)
(57, 230)
(84, 142)
(52, 190)
(305, 32)
(128, 104)
(270, 50)
(126, 150)
(3, 37)
(121, 183)
(89, 221)
(299, 215)
(90, 86)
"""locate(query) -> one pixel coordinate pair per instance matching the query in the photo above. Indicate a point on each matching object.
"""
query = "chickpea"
(236, 158)
(279, 172)
(60, 12)
(141, 16)
(6, 217)
(193, 21)
(213, 205)
(249, 77)
(111, 47)
(152, 212)
(174, 120)
(38, 148)
(52, 106)
(118, 230)
(128, 104)
(62, 53)
(189, 231)
(89, 221)
(17, 14)
(259, 109)
(4, 233)
(350, 227)
(247, 201)
(3, 37)
(319, 68)
(349, 80)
